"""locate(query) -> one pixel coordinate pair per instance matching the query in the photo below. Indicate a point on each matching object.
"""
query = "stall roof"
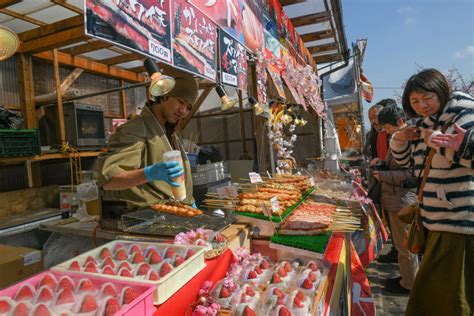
(43, 25)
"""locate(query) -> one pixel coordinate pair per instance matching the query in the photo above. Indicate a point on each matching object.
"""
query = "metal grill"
(151, 222)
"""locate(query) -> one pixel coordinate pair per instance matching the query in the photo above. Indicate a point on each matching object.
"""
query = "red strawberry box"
(64, 293)
(167, 266)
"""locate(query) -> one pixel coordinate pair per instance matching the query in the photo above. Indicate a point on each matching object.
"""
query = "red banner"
(194, 41)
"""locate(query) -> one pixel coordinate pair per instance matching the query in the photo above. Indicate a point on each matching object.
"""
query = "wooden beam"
(123, 100)
(93, 66)
(59, 96)
(290, 2)
(55, 40)
(68, 6)
(121, 59)
(196, 106)
(7, 3)
(52, 28)
(310, 19)
(138, 70)
(85, 48)
(22, 17)
(27, 94)
(316, 36)
(327, 58)
(323, 48)
(70, 79)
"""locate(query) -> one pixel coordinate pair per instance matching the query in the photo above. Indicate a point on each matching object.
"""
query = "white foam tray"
(166, 286)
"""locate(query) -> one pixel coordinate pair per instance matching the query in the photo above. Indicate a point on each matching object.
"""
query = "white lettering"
(156, 49)
(229, 79)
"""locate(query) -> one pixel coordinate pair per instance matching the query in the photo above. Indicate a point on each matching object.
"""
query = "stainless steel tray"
(151, 222)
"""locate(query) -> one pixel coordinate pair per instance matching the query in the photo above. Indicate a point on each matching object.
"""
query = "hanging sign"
(194, 41)
(262, 78)
(252, 25)
(227, 14)
(140, 26)
(275, 75)
(233, 61)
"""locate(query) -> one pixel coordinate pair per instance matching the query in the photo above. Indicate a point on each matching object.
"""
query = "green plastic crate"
(19, 142)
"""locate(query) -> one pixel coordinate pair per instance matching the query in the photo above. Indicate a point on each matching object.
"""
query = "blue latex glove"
(164, 171)
(194, 205)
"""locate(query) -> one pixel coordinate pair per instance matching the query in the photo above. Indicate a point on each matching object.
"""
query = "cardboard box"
(17, 263)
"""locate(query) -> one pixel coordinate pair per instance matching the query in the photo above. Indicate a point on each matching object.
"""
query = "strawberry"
(138, 258)
(117, 247)
(108, 262)
(170, 253)
(26, 292)
(135, 249)
(90, 267)
(5, 305)
(108, 289)
(282, 272)
(165, 269)
(248, 311)
(313, 266)
(125, 273)
(128, 295)
(48, 280)
(65, 282)
(224, 293)
(264, 264)
(104, 253)
(66, 296)
(125, 265)
(284, 311)
(252, 275)
(90, 259)
(300, 296)
(86, 285)
(244, 298)
(287, 266)
(189, 254)
(258, 270)
(153, 276)
(179, 261)
(42, 310)
(121, 255)
(143, 269)
(219, 238)
(276, 279)
(312, 277)
(108, 270)
(279, 293)
(249, 291)
(21, 310)
(154, 258)
(89, 304)
(45, 295)
(297, 303)
(112, 307)
(150, 250)
(75, 266)
(307, 284)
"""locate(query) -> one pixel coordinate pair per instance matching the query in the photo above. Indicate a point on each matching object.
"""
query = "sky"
(406, 35)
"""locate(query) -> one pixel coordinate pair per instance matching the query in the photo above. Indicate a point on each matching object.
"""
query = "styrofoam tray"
(142, 305)
(165, 286)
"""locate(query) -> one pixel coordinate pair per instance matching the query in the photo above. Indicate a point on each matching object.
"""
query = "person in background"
(444, 284)
(134, 163)
(398, 191)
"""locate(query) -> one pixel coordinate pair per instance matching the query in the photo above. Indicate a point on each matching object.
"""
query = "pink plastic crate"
(142, 305)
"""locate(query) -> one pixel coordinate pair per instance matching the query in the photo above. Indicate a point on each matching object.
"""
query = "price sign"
(275, 204)
(255, 177)
(311, 181)
(227, 191)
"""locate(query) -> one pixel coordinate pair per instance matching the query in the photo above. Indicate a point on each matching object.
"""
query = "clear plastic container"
(179, 193)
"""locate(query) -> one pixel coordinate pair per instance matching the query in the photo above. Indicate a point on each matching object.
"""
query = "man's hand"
(376, 175)
(164, 171)
(408, 133)
(374, 161)
(452, 141)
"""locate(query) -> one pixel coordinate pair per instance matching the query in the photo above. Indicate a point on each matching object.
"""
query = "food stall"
(281, 234)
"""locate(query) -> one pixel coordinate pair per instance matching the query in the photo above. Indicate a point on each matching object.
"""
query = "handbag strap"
(429, 159)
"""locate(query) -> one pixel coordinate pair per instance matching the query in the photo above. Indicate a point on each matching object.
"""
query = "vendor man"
(134, 161)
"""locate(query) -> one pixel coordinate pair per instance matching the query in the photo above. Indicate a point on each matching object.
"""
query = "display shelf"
(14, 160)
